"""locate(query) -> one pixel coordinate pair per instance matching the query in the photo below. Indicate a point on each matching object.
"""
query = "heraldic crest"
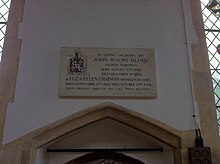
(76, 63)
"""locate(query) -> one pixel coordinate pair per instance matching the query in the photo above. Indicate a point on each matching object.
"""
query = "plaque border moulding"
(118, 73)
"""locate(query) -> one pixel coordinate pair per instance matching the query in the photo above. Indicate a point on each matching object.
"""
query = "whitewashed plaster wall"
(49, 25)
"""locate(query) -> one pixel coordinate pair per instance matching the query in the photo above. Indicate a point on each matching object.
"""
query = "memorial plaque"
(107, 73)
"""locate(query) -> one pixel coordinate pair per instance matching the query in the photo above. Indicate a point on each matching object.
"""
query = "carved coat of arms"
(76, 63)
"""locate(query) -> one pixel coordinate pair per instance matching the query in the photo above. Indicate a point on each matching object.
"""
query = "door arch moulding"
(29, 143)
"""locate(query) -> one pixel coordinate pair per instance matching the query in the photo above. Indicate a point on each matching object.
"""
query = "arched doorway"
(111, 126)
(105, 158)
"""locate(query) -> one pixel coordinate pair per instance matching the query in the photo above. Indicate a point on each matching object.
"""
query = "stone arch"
(30, 143)
(138, 121)
(105, 156)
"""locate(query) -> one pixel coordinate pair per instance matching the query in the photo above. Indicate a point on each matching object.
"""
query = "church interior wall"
(31, 107)
(46, 28)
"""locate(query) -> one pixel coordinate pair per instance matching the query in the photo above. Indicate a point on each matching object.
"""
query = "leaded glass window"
(212, 30)
(4, 10)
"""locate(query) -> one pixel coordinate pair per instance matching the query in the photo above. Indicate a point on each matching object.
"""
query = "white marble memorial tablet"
(107, 73)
